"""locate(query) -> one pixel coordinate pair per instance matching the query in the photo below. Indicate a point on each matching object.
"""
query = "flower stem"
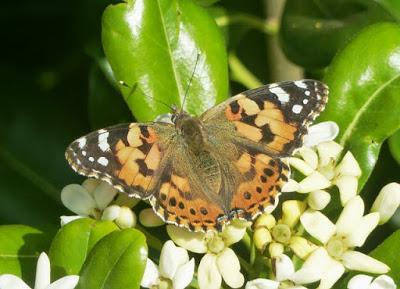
(269, 27)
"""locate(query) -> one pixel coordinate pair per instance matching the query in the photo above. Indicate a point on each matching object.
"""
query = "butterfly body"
(200, 172)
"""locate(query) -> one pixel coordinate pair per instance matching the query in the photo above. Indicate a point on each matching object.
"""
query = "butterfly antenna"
(133, 88)
(190, 81)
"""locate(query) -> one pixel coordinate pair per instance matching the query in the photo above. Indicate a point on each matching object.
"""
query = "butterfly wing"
(274, 116)
(263, 125)
(128, 156)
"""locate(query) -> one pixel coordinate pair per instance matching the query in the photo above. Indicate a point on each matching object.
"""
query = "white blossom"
(387, 202)
(42, 280)
(367, 282)
(175, 270)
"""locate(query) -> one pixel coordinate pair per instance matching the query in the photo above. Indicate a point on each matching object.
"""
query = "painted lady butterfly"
(200, 172)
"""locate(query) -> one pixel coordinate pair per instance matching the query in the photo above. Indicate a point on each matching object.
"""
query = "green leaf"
(313, 31)
(387, 252)
(117, 261)
(73, 243)
(364, 82)
(152, 47)
(394, 145)
(20, 247)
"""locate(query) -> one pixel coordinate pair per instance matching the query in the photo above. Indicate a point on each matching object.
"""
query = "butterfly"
(201, 172)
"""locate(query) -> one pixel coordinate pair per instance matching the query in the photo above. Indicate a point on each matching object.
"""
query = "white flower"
(387, 202)
(284, 272)
(321, 132)
(148, 218)
(366, 282)
(339, 240)
(92, 199)
(174, 272)
(277, 234)
(220, 261)
(321, 172)
(42, 280)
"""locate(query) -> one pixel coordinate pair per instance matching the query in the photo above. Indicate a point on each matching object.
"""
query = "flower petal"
(315, 181)
(309, 156)
(318, 200)
(42, 279)
(354, 260)
(150, 275)
(78, 199)
(284, 268)
(383, 282)
(291, 212)
(261, 283)
(333, 273)
(368, 223)
(347, 186)
(171, 258)
(387, 202)
(67, 282)
(328, 153)
(318, 225)
(301, 166)
(184, 275)
(8, 281)
(359, 281)
(290, 186)
(192, 241)
(148, 218)
(233, 233)
(313, 268)
(350, 217)
(348, 166)
(104, 194)
(321, 132)
(67, 219)
(229, 267)
(208, 274)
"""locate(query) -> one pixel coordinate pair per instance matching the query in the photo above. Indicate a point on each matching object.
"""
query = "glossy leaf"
(313, 31)
(73, 243)
(152, 47)
(394, 145)
(387, 252)
(117, 261)
(20, 247)
(364, 81)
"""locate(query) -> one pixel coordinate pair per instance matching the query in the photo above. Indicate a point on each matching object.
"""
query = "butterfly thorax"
(191, 130)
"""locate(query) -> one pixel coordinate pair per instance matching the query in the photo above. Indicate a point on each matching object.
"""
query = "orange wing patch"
(262, 186)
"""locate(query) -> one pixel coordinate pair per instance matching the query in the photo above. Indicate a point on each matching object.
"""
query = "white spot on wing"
(103, 140)
(300, 83)
(81, 142)
(305, 101)
(91, 159)
(84, 153)
(282, 95)
(307, 92)
(297, 108)
(103, 161)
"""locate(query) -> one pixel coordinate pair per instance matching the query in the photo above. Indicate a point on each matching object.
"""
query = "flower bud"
(387, 202)
(302, 247)
(262, 237)
(148, 218)
(275, 249)
(265, 220)
(291, 211)
(318, 200)
(126, 218)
